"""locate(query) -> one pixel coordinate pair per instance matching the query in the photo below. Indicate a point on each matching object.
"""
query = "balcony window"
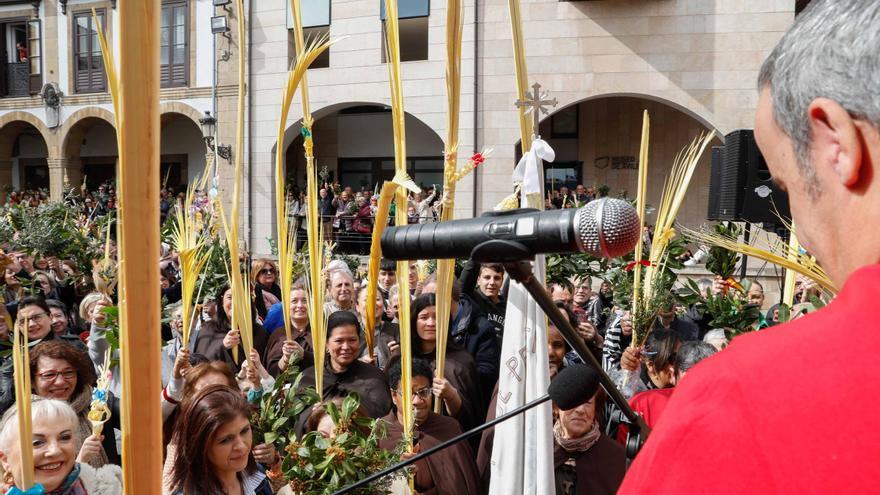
(413, 19)
(174, 48)
(88, 66)
(316, 23)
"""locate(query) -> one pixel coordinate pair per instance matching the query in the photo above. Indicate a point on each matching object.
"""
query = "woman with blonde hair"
(56, 442)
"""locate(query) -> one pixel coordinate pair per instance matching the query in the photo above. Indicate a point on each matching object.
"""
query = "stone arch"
(182, 145)
(77, 125)
(177, 107)
(11, 126)
(425, 145)
(604, 150)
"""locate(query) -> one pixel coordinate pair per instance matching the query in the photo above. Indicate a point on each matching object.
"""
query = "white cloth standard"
(527, 172)
(522, 456)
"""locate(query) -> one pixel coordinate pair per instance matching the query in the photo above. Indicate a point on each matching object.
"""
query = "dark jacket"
(477, 336)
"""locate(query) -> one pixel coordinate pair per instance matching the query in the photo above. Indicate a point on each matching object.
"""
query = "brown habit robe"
(461, 371)
(451, 470)
(598, 471)
(365, 379)
(275, 349)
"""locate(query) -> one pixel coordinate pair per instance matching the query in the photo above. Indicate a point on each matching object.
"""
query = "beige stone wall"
(699, 55)
(612, 127)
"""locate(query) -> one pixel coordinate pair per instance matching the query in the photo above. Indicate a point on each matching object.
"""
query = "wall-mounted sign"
(616, 162)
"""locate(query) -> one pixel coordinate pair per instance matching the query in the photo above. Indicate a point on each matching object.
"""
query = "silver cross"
(535, 102)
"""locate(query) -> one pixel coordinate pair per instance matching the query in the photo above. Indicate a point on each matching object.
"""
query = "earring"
(8, 479)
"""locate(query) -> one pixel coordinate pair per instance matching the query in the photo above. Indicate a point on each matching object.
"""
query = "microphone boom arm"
(521, 271)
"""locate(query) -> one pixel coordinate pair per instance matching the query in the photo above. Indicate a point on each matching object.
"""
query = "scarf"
(580, 444)
(72, 484)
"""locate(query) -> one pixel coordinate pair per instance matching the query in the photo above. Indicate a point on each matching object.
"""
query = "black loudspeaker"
(741, 187)
(763, 201)
(715, 186)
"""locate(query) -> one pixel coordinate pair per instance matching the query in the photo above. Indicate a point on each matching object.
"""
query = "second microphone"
(604, 227)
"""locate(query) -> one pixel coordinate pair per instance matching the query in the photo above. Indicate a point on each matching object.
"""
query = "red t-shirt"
(650, 404)
(791, 409)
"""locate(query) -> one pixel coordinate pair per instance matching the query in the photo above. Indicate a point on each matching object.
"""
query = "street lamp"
(209, 129)
(220, 25)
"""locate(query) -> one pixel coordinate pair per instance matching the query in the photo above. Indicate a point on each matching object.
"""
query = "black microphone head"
(573, 386)
(607, 227)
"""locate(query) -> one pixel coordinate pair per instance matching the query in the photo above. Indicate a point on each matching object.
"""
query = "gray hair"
(832, 51)
(49, 409)
(716, 335)
(691, 353)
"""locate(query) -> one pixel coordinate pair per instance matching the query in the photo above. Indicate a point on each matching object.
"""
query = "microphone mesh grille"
(607, 227)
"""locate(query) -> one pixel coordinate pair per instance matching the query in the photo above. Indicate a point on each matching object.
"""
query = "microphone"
(605, 227)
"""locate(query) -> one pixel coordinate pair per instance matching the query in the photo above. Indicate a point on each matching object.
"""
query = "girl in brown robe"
(451, 470)
(459, 388)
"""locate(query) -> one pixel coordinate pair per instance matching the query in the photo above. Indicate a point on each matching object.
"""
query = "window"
(413, 20)
(34, 56)
(562, 174)
(88, 68)
(174, 50)
(316, 24)
(370, 173)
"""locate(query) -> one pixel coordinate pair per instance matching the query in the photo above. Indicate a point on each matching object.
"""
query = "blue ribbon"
(34, 490)
(305, 132)
(100, 395)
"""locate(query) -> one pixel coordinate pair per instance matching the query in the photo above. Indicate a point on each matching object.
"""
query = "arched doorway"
(24, 156)
(354, 145)
(597, 143)
(90, 142)
(182, 151)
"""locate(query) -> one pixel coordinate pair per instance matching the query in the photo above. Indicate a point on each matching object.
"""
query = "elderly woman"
(56, 441)
(63, 372)
(586, 460)
(266, 290)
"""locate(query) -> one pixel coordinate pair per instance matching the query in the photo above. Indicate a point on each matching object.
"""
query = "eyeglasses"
(36, 318)
(51, 376)
(267, 271)
(423, 394)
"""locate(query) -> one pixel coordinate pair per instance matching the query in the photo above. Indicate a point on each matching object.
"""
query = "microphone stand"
(400, 465)
(512, 255)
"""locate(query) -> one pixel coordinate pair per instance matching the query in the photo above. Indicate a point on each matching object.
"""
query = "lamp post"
(209, 129)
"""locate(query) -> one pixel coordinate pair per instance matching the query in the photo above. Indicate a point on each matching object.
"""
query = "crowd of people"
(66, 321)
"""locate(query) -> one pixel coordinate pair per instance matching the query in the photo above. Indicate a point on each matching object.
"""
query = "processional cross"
(536, 102)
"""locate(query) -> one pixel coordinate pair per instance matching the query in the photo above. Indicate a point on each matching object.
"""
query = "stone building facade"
(56, 116)
(692, 63)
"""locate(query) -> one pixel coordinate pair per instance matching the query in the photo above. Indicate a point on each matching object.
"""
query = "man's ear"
(4, 461)
(836, 141)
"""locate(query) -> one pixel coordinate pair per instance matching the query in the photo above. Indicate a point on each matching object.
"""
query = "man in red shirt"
(793, 409)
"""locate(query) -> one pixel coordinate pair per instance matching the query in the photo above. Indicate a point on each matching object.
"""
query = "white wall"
(371, 135)
(180, 136)
(100, 140)
(63, 56)
(204, 42)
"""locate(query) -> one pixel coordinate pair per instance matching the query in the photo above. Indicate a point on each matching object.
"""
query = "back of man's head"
(832, 51)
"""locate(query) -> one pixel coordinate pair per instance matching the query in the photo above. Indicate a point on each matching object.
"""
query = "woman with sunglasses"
(266, 290)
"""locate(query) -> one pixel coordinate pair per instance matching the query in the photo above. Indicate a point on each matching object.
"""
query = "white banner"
(522, 455)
